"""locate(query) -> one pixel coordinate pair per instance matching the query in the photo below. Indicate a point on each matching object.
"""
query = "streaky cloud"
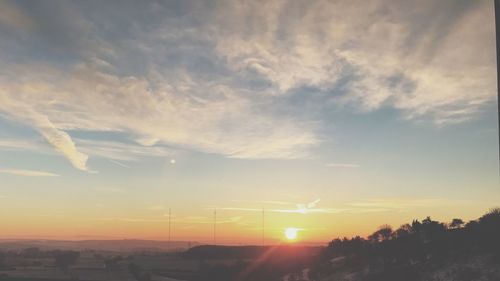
(342, 165)
(119, 163)
(28, 173)
(209, 81)
(61, 142)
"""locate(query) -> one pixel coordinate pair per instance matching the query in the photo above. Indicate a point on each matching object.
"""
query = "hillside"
(427, 250)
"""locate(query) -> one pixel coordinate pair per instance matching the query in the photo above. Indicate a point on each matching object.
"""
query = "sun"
(291, 233)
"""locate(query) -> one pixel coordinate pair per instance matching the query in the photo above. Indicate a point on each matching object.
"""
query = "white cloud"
(374, 205)
(397, 204)
(214, 87)
(28, 173)
(20, 144)
(308, 208)
(120, 151)
(87, 99)
(432, 60)
(56, 137)
(145, 141)
(61, 141)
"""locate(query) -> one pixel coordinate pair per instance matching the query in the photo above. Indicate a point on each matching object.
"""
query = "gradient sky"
(333, 116)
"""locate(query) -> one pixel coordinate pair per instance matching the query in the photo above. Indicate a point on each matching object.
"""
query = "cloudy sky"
(334, 116)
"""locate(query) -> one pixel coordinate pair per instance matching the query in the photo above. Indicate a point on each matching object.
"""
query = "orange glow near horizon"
(233, 227)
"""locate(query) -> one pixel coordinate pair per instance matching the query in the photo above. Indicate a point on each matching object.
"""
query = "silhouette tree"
(382, 234)
(488, 230)
(403, 231)
(431, 229)
(415, 250)
(456, 223)
(416, 226)
(491, 218)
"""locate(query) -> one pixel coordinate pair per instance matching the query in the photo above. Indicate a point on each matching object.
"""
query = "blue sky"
(128, 106)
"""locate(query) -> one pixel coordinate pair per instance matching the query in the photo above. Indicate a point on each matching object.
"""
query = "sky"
(334, 117)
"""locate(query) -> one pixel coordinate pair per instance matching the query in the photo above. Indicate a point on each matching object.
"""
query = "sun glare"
(291, 233)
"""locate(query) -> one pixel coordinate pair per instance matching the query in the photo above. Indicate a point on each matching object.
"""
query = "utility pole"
(263, 226)
(497, 30)
(215, 226)
(169, 224)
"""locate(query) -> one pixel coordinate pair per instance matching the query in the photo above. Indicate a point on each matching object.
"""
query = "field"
(197, 263)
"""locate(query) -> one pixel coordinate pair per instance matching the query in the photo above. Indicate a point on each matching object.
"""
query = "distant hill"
(126, 245)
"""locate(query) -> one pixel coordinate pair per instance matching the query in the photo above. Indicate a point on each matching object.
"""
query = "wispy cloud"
(216, 130)
(186, 221)
(312, 211)
(200, 85)
(119, 163)
(396, 204)
(374, 205)
(310, 208)
(21, 144)
(300, 208)
(28, 173)
(59, 139)
(380, 54)
(117, 151)
(342, 165)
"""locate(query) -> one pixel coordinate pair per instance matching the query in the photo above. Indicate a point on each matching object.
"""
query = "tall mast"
(215, 226)
(497, 28)
(169, 224)
(263, 226)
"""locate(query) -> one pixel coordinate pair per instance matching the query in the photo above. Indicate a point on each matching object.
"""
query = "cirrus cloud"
(28, 173)
(219, 78)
